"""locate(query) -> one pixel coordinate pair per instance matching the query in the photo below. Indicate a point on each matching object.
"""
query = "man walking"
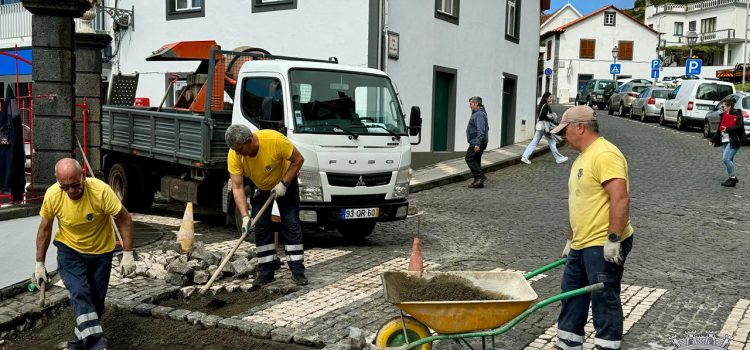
(599, 237)
(85, 242)
(476, 135)
(271, 162)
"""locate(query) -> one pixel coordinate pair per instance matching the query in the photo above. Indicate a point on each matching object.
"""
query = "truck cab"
(350, 127)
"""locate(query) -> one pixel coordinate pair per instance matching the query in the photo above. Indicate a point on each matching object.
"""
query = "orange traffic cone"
(187, 229)
(416, 260)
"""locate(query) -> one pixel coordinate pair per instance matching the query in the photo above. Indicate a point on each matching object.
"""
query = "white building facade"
(580, 50)
(719, 23)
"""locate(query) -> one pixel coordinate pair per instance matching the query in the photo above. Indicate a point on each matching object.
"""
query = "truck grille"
(367, 199)
(352, 180)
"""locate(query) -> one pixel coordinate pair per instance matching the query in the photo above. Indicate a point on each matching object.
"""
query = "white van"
(688, 103)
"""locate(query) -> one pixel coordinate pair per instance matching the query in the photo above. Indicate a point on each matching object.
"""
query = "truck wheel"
(126, 181)
(356, 230)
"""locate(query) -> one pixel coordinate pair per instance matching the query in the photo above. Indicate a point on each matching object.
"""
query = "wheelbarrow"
(423, 322)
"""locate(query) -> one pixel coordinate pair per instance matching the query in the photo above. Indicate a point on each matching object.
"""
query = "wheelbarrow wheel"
(391, 334)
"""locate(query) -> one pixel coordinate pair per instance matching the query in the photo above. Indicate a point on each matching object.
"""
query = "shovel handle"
(42, 293)
(262, 210)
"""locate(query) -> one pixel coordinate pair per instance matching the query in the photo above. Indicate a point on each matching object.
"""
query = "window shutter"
(587, 48)
(549, 50)
(626, 50)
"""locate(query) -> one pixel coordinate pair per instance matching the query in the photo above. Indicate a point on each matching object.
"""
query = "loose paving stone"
(143, 309)
(195, 317)
(261, 330)
(282, 334)
(179, 314)
(230, 323)
(211, 320)
(161, 312)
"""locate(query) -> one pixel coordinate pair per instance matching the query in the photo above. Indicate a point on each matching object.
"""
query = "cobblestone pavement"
(686, 271)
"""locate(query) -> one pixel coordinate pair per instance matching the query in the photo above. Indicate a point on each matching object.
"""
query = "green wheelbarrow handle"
(506, 327)
(545, 268)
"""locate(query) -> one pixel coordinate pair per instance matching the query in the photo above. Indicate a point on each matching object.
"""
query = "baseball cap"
(575, 115)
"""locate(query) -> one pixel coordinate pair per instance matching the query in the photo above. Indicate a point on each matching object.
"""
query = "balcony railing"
(697, 6)
(711, 37)
(15, 21)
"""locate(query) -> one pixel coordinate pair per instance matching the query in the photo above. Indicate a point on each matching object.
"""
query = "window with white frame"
(691, 26)
(180, 9)
(678, 28)
(447, 10)
(512, 10)
(609, 18)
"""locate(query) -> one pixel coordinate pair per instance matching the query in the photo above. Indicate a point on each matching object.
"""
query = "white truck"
(347, 122)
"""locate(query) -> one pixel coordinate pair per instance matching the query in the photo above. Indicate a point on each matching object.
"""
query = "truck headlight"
(401, 190)
(310, 188)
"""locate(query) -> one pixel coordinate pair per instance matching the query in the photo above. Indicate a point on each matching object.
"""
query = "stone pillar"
(53, 56)
(726, 54)
(88, 85)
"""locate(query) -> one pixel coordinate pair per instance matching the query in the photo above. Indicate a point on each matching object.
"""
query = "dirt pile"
(443, 287)
(222, 304)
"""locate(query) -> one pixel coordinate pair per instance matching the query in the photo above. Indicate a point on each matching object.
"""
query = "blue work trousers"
(87, 278)
(291, 231)
(585, 267)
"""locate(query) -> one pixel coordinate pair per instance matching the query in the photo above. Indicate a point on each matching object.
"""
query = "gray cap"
(236, 135)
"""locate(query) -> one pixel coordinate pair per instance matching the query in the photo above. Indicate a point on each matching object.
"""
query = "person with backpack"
(544, 124)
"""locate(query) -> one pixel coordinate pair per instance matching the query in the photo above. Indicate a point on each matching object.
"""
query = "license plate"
(360, 213)
(704, 108)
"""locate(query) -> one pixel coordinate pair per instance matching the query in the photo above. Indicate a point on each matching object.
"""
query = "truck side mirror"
(415, 121)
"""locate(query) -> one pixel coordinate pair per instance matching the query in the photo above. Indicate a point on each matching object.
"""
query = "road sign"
(654, 73)
(548, 72)
(614, 68)
(693, 66)
(655, 64)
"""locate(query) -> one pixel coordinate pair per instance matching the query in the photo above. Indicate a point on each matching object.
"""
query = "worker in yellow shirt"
(85, 243)
(600, 236)
(272, 163)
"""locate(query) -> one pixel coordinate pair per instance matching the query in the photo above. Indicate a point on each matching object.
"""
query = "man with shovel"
(85, 243)
(599, 236)
(271, 162)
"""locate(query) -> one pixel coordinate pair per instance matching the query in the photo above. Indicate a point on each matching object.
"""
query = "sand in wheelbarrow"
(222, 304)
(129, 331)
(442, 287)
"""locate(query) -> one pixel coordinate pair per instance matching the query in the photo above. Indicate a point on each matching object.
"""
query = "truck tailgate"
(179, 137)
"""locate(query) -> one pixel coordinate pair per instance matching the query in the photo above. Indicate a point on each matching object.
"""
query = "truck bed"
(173, 136)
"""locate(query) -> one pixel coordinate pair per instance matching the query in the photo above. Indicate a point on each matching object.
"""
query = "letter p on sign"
(693, 66)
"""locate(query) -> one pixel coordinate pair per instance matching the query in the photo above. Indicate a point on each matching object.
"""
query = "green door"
(509, 110)
(440, 111)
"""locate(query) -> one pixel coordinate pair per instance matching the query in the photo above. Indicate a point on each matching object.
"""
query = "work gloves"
(40, 274)
(612, 252)
(566, 250)
(245, 224)
(127, 264)
(279, 189)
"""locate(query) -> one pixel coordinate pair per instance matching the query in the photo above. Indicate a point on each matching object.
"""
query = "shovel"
(262, 210)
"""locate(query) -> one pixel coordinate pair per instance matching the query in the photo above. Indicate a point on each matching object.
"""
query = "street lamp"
(615, 54)
(692, 37)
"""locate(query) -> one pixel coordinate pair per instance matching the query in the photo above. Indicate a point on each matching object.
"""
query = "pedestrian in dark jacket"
(730, 134)
(476, 135)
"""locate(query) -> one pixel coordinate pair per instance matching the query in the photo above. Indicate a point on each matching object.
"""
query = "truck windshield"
(333, 101)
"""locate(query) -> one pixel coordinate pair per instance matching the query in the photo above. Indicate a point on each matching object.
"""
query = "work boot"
(480, 183)
(262, 280)
(474, 184)
(299, 279)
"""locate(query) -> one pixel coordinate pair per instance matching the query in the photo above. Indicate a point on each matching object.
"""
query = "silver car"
(713, 117)
(649, 103)
(624, 96)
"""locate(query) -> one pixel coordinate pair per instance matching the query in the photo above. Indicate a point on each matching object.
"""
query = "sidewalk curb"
(505, 161)
(19, 211)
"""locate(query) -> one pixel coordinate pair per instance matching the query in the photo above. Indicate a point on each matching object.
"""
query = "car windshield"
(345, 102)
(603, 85)
(713, 92)
(661, 93)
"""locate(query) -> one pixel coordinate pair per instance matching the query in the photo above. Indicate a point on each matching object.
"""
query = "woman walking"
(730, 135)
(542, 121)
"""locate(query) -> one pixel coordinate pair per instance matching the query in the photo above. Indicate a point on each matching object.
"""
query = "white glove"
(279, 189)
(566, 250)
(612, 252)
(127, 264)
(40, 273)
(245, 224)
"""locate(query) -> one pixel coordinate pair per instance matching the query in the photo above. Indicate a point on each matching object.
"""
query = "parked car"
(668, 82)
(622, 81)
(624, 97)
(688, 103)
(713, 118)
(596, 92)
(649, 103)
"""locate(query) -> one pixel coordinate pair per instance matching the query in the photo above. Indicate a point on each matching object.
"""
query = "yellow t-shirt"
(84, 224)
(588, 201)
(268, 166)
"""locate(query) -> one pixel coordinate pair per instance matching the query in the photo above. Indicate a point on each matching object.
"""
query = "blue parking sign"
(614, 68)
(693, 66)
(655, 64)
(654, 73)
